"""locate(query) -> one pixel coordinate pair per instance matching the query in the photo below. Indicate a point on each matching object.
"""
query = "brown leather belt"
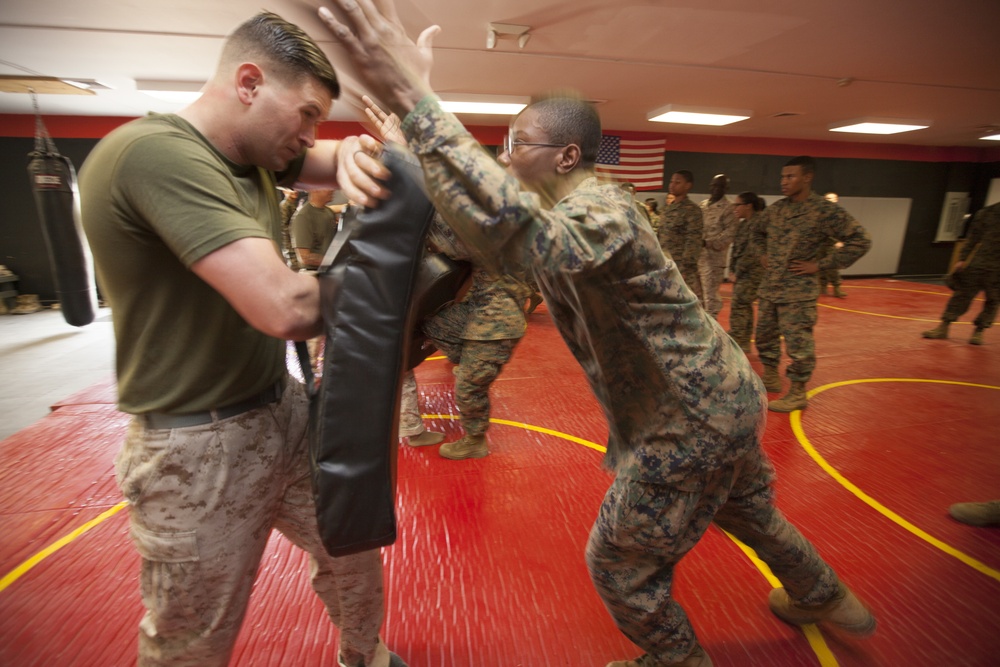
(162, 420)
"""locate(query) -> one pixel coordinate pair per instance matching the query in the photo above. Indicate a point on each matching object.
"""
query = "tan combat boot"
(938, 332)
(466, 447)
(839, 293)
(425, 439)
(843, 610)
(795, 399)
(772, 381)
(977, 514)
(977, 337)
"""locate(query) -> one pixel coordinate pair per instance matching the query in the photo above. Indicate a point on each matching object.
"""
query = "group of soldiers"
(783, 255)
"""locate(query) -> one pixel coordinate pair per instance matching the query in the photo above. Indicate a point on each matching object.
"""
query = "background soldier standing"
(978, 269)
(719, 228)
(746, 268)
(681, 228)
(792, 233)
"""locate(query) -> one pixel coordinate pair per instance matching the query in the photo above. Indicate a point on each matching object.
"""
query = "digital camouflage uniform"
(719, 228)
(681, 235)
(791, 231)
(982, 273)
(288, 207)
(748, 271)
(685, 411)
(828, 276)
(479, 332)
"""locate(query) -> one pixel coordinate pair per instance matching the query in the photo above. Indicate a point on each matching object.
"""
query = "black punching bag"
(366, 284)
(53, 181)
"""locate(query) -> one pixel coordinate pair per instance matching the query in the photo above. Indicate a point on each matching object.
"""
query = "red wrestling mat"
(488, 570)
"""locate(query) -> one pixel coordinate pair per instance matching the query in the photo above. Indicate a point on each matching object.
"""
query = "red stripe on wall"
(95, 127)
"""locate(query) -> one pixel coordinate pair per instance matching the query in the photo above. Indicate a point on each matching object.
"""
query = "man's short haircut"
(686, 175)
(284, 48)
(807, 163)
(569, 120)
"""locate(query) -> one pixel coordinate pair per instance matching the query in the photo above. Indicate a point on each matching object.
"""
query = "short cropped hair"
(571, 121)
(686, 175)
(284, 47)
(807, 163)
(756, 201)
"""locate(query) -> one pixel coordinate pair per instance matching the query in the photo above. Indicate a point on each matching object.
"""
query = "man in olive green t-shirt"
(313, 228)
(182, 214)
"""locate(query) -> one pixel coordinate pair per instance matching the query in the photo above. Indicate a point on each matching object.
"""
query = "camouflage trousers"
(710, 277)
(969, 282)
(643, 530)
(411, 423)
(828, 277)
(794, 321)
(203, 502)
(477, 364)
(741, 307)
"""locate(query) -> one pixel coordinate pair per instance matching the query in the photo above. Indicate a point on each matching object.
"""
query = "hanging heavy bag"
(366, 283)
(53, 181)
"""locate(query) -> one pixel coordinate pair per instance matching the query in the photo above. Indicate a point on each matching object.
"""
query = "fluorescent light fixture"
(498, 105)
(992, 137)
(879, 126)
(175, 92)
(675, 113)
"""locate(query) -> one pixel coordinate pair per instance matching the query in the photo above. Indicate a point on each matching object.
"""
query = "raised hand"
(393, 67)
(387, 124)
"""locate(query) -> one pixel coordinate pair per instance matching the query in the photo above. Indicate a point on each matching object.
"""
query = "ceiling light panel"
(879, 126)
(673, 113)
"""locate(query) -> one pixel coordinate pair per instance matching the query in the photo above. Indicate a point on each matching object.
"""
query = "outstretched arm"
(393, 67)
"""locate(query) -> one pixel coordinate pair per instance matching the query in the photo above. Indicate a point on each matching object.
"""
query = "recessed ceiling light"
(992, 137)
(673, 113)
(498, 105)
(879, 126)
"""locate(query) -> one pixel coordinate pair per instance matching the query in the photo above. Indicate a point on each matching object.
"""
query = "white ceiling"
(911, 59)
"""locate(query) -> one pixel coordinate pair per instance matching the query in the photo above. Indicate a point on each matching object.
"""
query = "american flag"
(638, 161)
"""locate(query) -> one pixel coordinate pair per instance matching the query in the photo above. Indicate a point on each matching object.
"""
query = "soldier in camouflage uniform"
(830, 276)
(289, 205)
(719, 229)
(478, 333)
(978, 269)
(186, 233)
(746, 269)
(685, 411)
(680, 230)
(791, 234)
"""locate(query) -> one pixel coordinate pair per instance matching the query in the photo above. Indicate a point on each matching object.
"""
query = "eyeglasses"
(509, 144)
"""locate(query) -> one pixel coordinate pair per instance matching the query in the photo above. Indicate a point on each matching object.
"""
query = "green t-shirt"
(313, 227)
(156, 197)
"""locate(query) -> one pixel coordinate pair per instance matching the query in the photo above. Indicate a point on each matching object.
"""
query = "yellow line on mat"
(24, 567)
(796, 421)
(812, 632)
